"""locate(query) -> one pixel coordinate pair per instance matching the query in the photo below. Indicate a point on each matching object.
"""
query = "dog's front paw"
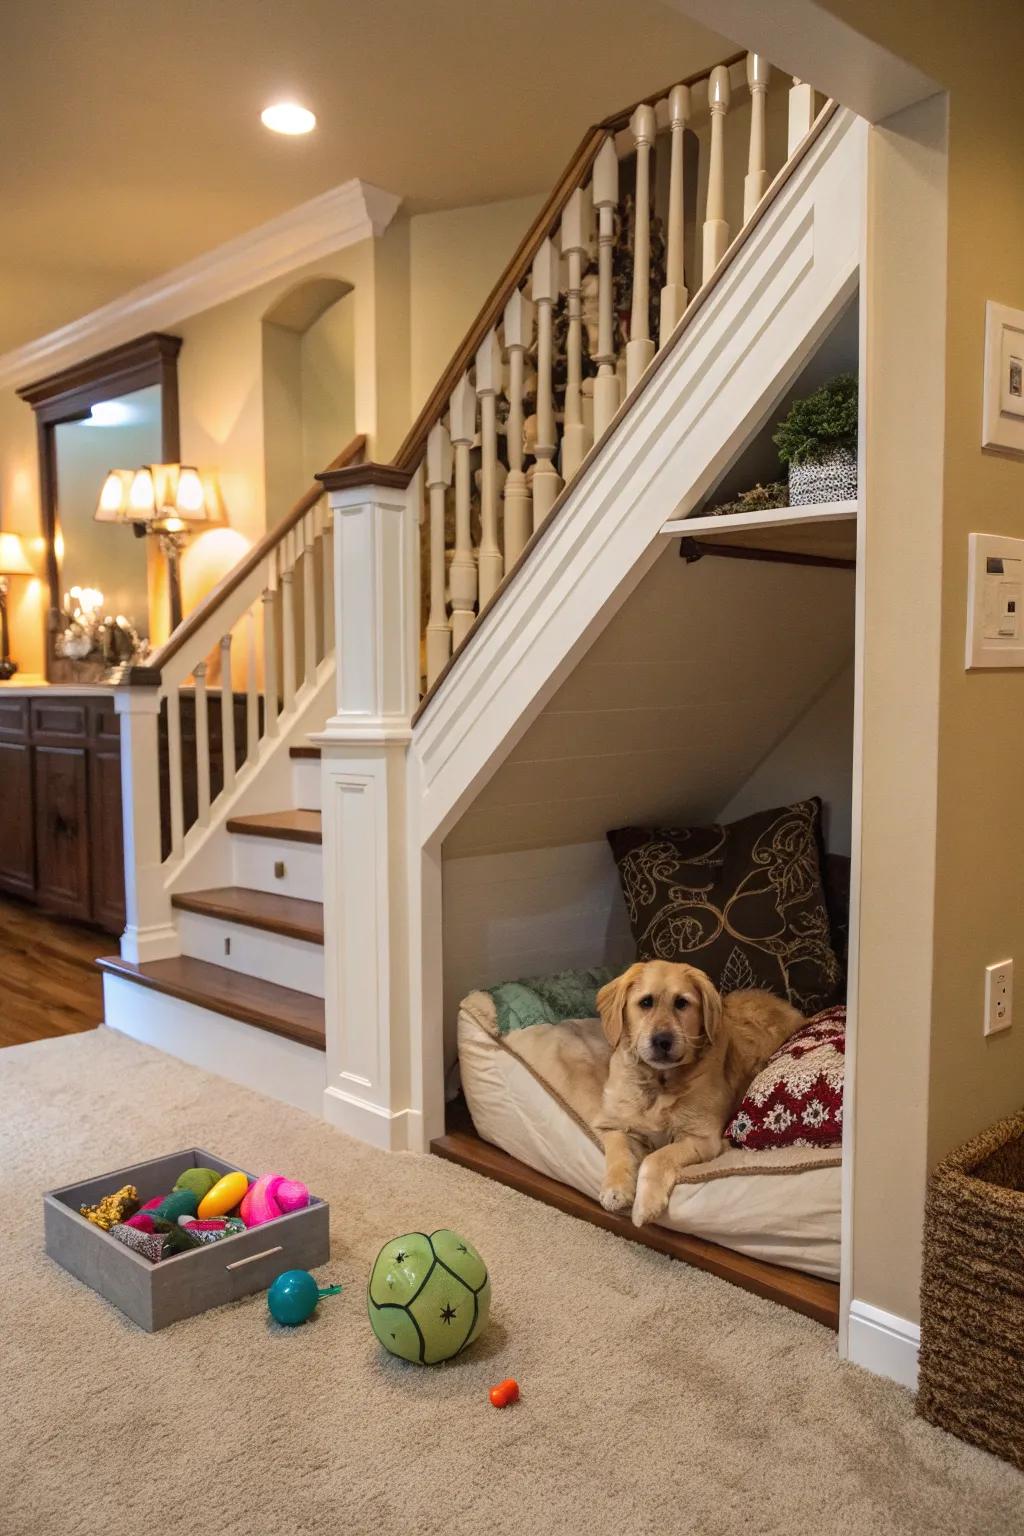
(616, 1197)
(651, 1201)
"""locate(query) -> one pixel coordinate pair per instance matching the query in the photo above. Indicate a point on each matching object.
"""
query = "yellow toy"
(224, 1196)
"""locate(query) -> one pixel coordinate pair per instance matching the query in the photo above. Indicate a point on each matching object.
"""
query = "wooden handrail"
(149, 673)
(414, 444)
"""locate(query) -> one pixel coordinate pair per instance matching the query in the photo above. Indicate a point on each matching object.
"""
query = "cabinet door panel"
(17, 863)
(62, 831)
(106, 856)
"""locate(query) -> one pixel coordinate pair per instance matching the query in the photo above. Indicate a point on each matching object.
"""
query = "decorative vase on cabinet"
(830, 478)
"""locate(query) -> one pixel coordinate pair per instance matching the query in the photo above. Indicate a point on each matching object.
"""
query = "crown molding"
(343, 216)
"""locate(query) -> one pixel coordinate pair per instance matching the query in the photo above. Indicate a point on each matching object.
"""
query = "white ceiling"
(131, 129)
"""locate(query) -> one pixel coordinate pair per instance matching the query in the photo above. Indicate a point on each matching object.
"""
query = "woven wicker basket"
(972, 1293)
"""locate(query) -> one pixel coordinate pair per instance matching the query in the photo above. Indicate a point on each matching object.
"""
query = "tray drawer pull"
(265, 1253)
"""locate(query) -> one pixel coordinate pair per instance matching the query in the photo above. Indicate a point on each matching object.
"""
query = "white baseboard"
(269, 1064)
(883, 1343)
(391, 1130)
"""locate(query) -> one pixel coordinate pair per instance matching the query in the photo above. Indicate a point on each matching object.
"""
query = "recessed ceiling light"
(288, 117)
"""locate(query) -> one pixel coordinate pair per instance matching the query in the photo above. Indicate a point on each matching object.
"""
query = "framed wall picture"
(1003, 408)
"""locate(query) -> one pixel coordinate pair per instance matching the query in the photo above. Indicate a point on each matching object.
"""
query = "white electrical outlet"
(998, 997)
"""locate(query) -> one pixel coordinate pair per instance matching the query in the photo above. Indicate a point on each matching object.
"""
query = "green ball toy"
(428, 1297)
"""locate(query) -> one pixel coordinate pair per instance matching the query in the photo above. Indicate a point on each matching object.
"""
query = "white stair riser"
(272, 957)
(254, 859)
(306, 792)
(282, 1069)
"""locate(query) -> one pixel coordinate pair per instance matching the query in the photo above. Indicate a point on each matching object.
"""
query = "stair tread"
(280, 1010)
(304, 752)
(289, 826)
(293, 916)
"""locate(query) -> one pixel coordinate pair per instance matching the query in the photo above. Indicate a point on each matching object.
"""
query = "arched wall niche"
(308, 347)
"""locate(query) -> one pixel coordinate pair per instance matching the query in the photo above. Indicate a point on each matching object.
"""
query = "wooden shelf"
(823, 534)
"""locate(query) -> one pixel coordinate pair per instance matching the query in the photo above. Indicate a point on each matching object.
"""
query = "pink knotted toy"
(271, 1196)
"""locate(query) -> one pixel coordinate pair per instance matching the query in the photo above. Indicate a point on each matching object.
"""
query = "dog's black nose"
(662, 1043)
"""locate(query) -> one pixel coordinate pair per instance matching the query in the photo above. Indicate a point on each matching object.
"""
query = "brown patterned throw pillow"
(744, 902)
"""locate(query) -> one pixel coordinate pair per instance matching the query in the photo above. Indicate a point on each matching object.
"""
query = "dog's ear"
(711, 1003)
(611, 1005)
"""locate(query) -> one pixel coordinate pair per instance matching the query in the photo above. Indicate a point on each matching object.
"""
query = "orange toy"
(504, 1393)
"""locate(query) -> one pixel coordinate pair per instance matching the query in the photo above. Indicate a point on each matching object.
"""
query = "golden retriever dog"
(682, 1058)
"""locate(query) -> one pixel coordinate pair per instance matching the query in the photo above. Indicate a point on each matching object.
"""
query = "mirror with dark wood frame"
(116, 410)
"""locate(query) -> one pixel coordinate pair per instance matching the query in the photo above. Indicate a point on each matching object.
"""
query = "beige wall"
(365, 368)
(455, 258)
(943, 747)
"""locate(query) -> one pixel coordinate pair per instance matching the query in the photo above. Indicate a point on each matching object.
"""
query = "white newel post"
(149, 932)
(367, 838)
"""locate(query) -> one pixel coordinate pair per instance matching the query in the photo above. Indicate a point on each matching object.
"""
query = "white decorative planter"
(833, 478)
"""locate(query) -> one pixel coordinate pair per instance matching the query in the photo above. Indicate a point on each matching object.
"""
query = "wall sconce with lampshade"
(167, 500)
(13, 562)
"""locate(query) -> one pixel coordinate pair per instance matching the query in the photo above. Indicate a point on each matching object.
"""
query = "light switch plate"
(998, 997)
(1003, 404)
(995, 602)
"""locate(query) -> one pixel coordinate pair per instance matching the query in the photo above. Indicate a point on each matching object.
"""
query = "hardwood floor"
(49, 982)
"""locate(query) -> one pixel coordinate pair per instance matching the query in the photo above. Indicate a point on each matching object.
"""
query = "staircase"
(291, 937)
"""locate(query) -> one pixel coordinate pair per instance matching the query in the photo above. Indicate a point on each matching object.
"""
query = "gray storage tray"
(154, 1295)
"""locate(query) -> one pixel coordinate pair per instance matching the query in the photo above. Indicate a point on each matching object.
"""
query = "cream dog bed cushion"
(531, 1092)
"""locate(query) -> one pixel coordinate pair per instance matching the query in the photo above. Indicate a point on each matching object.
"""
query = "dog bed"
(527, 1095)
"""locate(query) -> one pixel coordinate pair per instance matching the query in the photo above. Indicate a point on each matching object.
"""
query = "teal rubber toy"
(295, 1295)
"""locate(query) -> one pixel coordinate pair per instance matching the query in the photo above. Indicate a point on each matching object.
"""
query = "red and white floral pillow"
(797, 1099)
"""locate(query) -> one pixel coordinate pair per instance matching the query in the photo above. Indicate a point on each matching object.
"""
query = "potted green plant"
(818, 441)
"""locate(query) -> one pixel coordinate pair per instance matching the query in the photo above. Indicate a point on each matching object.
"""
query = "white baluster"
(202, 746)
(801, 112)
(546, 480)
(327, 579)
(287, 627)
(518, 327)
(227, 713)
(174, 774)
(308, 603)
(439, 474)
(488, 383)
(252, 690)
(756, 182)
(606, 196)
(640, 347)
(674, 296)
(269, 601)
(716, 230)
(576, 221)
(462, 426)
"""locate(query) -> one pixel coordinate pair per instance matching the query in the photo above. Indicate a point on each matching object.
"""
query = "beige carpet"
(655, 1399)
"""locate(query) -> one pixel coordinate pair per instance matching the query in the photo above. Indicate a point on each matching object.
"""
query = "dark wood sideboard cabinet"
(60, 804)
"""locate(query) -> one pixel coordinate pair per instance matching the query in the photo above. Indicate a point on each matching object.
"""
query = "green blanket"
(549, 999)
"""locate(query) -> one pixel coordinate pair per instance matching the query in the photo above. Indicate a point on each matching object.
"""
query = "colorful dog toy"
(223, 1197)
(504, 1393)
(199, 1180)
(271, 1196)
(112, 1209)
(294, 1297)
